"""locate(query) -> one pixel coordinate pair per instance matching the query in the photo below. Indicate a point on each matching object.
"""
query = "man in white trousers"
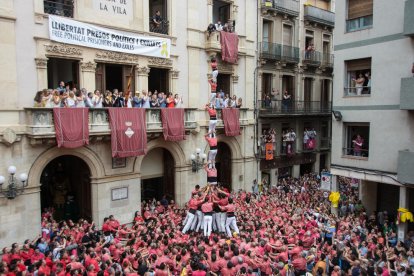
(192, 205)
(207, 208)
(231, 221)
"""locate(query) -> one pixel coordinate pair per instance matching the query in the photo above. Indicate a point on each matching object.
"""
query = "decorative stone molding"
(235, 8)
(88, 66)
(41, 63)
(116, 56)
(9, 137)
(224, 66)
(63, 49)
(163, 62)
(235, 78)
(142, 71)
(174, 74)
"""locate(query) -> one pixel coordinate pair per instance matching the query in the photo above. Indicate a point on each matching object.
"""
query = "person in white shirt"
(219, 27)
(97, 99)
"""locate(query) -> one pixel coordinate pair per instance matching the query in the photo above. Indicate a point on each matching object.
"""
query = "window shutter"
(358, 8)
(358, 64)
(287, 35)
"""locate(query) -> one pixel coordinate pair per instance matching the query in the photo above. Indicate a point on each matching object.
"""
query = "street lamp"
(16, 184)
(197, 160)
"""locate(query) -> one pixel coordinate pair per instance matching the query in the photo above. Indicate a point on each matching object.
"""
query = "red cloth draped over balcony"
(231, 121)
(173, 124)
(128, 131)
(229, 46)
(71, 127)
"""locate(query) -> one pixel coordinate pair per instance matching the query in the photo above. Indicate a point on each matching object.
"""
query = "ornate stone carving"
(174, 74)
(63, 49)
(41, 63)
(209, 2)
(142, 70)
(224, 66)
(88, 66)
(235, 78)
(9, 137)
(160, 61)
(116, 56)
(235, 8)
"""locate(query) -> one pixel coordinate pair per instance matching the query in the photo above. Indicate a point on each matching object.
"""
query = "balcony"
(62, 8)
(212, 42)
(409, 18)
(161, 28)
(406, 94)
(327, 60)
(40, 124)
(311, 58)
(405, 172)
(325, 143)
(319, 16)
(294, 108)
(289, 7)
(279, 52)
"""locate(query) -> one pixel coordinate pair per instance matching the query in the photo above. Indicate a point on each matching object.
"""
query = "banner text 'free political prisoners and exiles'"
(77, 33)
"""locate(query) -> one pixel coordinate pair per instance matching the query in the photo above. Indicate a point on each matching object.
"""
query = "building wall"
(26, 48)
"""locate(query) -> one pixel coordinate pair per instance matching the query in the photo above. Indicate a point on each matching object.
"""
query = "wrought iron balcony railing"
(279, 52)
(327, 60)
(290, 7)
(161, 28)
(288, 107)
(311, 58)
(320, 16)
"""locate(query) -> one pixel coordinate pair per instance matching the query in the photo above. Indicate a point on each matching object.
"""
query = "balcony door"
(110, 76)
(221, 11)
(325, 88)
(158, 79)
(288, 84)
(66, 70)
(266, 85)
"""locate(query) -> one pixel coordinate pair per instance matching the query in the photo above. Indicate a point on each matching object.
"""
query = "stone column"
(210, 12)
(88, 74)
(403, 203)
(174, 80)
(41, 67)
(141, 78)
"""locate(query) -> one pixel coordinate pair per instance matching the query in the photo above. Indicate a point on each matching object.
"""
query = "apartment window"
(359, 15)
(358, 77)
(356, 142)
(59, 7)
(288, 140)
(309, 137)
(158, 16)
(324, 135)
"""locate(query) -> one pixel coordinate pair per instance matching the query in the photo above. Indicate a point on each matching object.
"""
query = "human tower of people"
(210, 208)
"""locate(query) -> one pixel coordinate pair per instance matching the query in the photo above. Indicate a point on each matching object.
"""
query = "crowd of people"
(282, 229)
(63, 96)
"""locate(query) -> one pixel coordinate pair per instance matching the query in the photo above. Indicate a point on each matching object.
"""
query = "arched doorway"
(223, 165)
(158, 175)
(66, 186)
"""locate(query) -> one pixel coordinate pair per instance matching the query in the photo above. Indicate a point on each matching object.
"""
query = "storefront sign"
(77, 33)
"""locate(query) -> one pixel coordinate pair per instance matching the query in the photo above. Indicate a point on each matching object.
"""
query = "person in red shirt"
(211, 109)
(299, 264)
(214, 69)
(231, 218)
(207, 209)
(192, 205)
(212, 142)
(170, 100)
(211, 175)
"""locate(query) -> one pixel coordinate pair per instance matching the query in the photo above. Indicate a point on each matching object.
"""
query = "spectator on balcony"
(154, 103)
(80, 98)
(118, 99)
(274, 97)
(286, 101)
(89, 100)
(359, 83)
(178, 101)
(309, 51)
(219, 101)
(108, 100)
(239, 103)
(145, 99)
(170, 100)
(97, 99)
(357, 144)
(38, 99)
(61, 88)
(210, 29)
(233, 101)
(136, 100)
(218, 26)
(162, 99)
(367, 83)
(157, 20)
(226, 100)
(267, 101)
(70, 101)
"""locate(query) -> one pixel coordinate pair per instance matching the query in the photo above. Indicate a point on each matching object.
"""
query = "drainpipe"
(256, 110)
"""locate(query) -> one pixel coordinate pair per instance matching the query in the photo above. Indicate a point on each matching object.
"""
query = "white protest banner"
(77, 33)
